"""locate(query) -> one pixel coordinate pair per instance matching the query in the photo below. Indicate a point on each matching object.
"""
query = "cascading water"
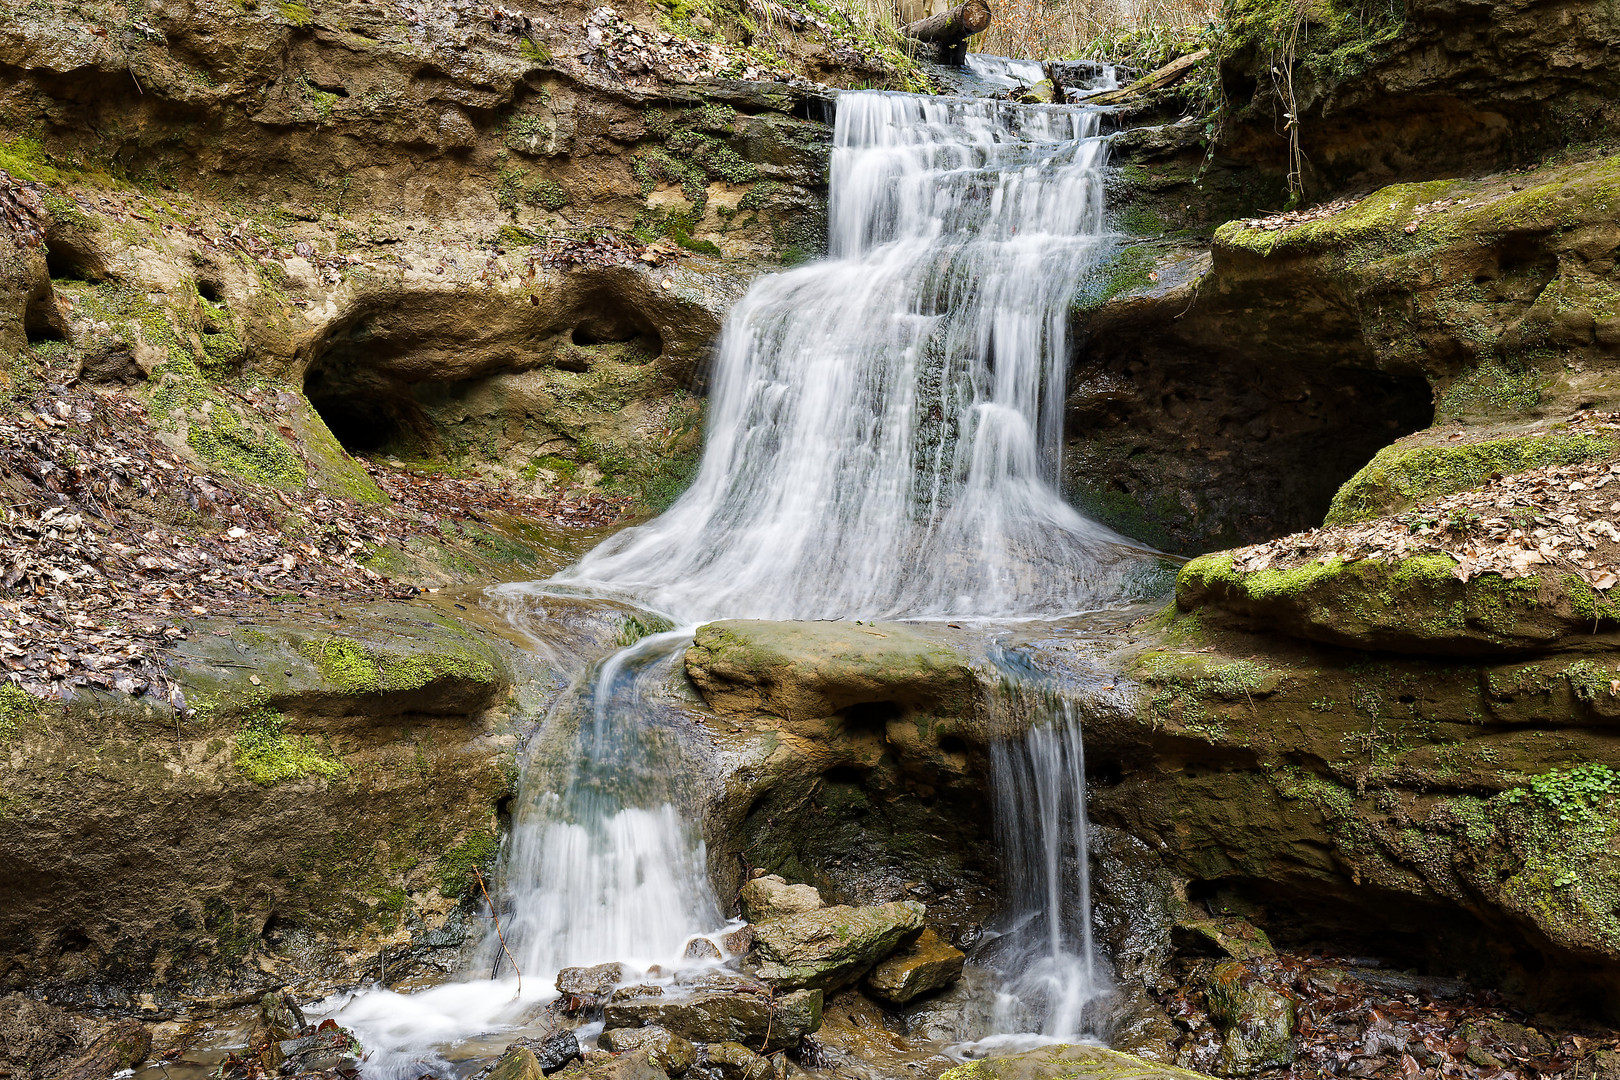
(886, 425)
(883, 441)
(1046, 947)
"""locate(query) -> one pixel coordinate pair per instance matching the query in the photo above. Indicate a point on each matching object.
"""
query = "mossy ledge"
(1403, 476)
(1411, 605)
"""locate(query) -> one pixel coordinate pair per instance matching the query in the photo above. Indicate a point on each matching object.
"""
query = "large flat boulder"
(1067, 1063)
(721, 1016)
(832, 947)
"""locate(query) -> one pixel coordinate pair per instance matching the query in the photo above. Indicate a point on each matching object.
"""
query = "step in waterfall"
(883, 441)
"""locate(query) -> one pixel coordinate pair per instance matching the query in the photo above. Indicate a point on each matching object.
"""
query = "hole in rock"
(842, 774)
(873, 716)
(951, 744)
(66, 260)
(606, 321)
(208, 290)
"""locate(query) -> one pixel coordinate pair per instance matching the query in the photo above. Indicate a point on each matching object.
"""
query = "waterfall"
(885, 427)
(1046, 948)
(884, 439)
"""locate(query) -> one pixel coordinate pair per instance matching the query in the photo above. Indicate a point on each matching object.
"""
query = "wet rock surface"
(831, 947)
(923, 965)
(772, 1022)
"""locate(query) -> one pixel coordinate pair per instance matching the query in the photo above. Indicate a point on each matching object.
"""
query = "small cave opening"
(365, 412)
(953, 745)
(604, 320)
(69, 260)
(845, 775)
(871, 716)
(208, 290)
(42, 318)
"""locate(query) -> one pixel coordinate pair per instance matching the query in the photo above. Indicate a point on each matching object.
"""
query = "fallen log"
(1171, 73)
(947, 28)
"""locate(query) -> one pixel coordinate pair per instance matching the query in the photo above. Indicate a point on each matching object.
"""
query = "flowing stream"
(883, 441)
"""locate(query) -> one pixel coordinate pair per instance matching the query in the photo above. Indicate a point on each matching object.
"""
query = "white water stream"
(883, 440)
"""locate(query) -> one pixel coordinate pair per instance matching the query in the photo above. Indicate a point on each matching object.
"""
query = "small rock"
(597, 981)
(771, 897)
(331, 1048)
(666, 1050)
(518, 1063)
(282, 1019)
(734, 1061)
(702, 949)
(625, 993)
(1257, 1021)
(551, 1052)
(928, 963)
(738, 941)
(1234, 937)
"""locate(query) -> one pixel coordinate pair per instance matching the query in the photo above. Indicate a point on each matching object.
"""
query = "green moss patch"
(351, 667)
(1399, 477)
(477, 852)
(267, 755)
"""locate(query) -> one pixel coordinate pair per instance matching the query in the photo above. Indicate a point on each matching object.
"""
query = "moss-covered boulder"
(807, 670)
(317, 792)
(1413, 605)
(1417, 470)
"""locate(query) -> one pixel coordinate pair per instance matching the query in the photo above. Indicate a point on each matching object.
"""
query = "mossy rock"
(803, 670)
(1411, 605)
(1403, 476)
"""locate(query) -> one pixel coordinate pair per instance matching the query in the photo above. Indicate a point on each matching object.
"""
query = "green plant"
(1573, 794)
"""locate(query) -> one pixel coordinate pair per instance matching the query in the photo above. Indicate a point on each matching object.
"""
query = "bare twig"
(498, 935)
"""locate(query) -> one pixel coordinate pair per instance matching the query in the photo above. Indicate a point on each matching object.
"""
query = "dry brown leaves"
(1359, 1021)
(600, 248)
(614, 46)
(1439, 206)
(1561, 517)
(21, 210)
(110, 542)
(1290, 218)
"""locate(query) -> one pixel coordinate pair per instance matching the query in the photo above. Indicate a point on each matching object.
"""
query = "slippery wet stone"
(597, 981)
(1069, 1062)
(666, 1050)
(1237, 938)
(834, 946)
(733, 1061)
(1257, 1021)
(929, 963)
(754, 1019)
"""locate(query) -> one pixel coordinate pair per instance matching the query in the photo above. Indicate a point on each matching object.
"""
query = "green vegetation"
(1493, 387)
(267, 755)
(17, 707)
(456, 865)
(295, 13)
(352, 668)
(634, 627)
(1574, 794)
(226, 441)
(1127, 270)
(1403, 476)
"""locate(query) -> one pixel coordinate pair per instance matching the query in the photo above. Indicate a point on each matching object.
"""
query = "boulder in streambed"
(734, 1061)
(1070, 1063)
(832, 947)
(1257, 1021)
(551, 1052)
(518, 1063)
(634, 1065)
(329, 1048)
(771, 897)
(666, 1049)
(721, 1016)
(928, 963)
(589, 982)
